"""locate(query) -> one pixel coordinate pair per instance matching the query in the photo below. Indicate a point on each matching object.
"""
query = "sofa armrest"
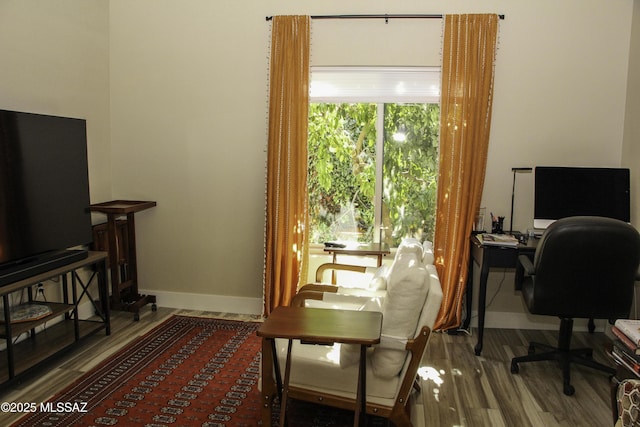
(333, 266)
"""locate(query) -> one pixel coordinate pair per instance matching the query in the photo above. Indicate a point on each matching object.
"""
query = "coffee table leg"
(285, 386)
(276, 367)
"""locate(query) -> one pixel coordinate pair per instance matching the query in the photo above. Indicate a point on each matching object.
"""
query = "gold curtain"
(286, 205)
(467, 87)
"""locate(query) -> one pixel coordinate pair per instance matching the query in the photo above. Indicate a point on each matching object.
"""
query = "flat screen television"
(560, 192)
(44, 193)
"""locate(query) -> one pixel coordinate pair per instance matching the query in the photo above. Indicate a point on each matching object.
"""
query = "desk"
(316, 326)
(488, 257)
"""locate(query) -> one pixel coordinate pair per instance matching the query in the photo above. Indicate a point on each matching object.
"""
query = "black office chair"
(584, 267)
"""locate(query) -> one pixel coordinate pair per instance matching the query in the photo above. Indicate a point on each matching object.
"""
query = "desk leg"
(468, 295)
(285, 386)
(482, 300)
(359, 418)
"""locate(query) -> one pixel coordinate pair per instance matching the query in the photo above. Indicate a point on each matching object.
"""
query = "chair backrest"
(585, 267)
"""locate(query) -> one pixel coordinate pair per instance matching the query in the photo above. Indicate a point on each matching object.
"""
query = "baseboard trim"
(513, 320)
(220, 303)
(244, 305)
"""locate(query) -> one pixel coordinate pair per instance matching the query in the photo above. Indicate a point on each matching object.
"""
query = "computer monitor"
(561, 192)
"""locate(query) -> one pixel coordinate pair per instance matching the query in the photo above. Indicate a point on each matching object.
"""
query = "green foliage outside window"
(342, 171)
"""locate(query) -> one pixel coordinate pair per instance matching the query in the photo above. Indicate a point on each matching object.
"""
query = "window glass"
(372, 164)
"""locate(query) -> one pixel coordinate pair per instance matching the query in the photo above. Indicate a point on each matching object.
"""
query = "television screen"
(572, 191)
(44, 185)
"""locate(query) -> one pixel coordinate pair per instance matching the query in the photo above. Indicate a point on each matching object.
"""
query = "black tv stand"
(64, 325)
(39, 264)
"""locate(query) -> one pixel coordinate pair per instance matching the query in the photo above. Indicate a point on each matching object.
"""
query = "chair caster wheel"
(514, 368)
(154, 307)
(569, 390)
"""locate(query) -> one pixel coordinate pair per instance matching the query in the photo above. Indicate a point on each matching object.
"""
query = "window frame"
(378, 85)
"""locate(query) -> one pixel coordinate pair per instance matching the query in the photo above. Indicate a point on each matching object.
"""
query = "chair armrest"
(299, 299)
(527, 264)
(318, 287)
(333, 266)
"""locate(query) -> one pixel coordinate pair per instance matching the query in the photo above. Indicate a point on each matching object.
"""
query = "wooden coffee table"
(319, 326)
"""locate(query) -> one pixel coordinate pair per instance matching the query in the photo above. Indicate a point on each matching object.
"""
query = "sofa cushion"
(427, 253)
(409, 245)
(379, 280)
(406, 292)
(316, 367)
(350, 353)
(407, 289)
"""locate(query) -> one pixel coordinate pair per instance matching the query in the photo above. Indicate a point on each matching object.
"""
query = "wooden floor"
(469, 390)
(458, 388)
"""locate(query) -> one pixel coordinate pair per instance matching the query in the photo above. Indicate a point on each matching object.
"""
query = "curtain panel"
(469, 49)
(286, 246)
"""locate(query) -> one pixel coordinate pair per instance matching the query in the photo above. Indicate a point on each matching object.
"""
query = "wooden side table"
(370, 249)
(121, 245)
(378, 250)
(316, 326)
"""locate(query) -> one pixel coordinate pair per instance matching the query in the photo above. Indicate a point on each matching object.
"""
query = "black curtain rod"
(385, 17)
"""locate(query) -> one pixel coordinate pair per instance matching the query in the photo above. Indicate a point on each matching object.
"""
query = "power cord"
(487, 305)
(40, 291)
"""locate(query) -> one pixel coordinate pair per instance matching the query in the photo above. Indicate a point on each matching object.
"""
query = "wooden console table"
(315, 326)
(118, 237)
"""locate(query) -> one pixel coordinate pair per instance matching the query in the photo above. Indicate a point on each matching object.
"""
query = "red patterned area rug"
(188, 371)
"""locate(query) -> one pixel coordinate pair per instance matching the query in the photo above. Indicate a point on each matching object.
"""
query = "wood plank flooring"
(481, 391)
(458, 388)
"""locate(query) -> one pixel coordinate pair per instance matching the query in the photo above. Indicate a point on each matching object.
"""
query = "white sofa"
(409, 295)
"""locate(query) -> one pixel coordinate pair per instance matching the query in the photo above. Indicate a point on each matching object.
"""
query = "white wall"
(55, 60)
(631, 146)
(187, 94)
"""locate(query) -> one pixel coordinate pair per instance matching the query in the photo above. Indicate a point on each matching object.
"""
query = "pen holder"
(497, 225)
